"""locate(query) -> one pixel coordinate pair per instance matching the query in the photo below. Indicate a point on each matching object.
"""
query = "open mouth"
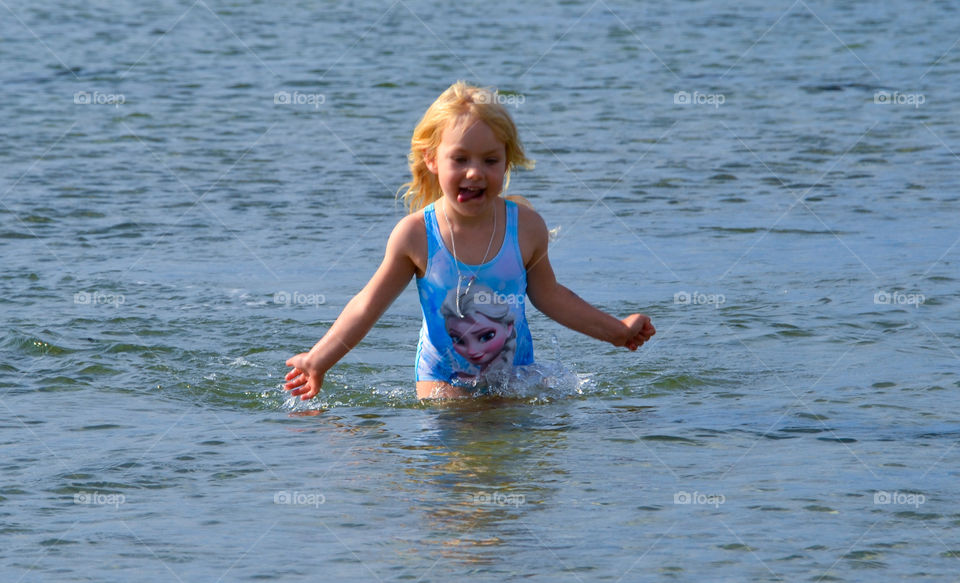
(465, 194)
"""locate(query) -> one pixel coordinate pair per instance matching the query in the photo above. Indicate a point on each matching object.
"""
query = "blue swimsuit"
(474, 322)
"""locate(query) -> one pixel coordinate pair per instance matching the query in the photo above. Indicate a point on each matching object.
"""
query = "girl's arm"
(567, 308)
(358, 316)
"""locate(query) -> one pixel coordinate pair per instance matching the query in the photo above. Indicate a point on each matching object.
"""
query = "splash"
(535, 383)
(539, 383)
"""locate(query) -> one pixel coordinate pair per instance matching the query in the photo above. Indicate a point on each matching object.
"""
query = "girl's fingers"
(296, 382)
(305, 389)
(304, 393)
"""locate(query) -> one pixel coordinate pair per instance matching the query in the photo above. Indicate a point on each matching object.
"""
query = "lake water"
(192, 191)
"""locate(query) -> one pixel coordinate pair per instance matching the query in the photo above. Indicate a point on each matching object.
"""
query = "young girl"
(460, 234)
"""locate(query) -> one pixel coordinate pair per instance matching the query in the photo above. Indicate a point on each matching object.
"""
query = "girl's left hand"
(639, 330)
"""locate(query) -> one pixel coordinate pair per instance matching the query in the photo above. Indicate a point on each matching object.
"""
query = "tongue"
(464, 195)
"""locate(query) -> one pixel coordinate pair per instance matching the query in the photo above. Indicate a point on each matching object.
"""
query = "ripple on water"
(29, 345)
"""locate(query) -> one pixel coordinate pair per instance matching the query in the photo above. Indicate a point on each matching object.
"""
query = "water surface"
(791, 229)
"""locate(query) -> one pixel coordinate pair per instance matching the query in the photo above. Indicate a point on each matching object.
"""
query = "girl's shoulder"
(411, 221)
(530, 220)
(532, 233)
(411, 228)
(410, 238)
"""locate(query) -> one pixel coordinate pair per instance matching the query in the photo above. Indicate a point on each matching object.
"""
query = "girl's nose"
(473, 172)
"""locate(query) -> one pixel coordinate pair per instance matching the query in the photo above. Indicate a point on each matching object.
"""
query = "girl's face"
(470, 163)
(478, 338)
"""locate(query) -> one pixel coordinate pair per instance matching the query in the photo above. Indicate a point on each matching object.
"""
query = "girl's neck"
(477, 232)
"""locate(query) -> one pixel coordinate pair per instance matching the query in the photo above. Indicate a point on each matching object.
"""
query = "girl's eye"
(492, 161)
(488, 336)
(456, 339)
(459, 160)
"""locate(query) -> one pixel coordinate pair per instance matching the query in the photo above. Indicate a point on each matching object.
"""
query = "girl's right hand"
(305, 379)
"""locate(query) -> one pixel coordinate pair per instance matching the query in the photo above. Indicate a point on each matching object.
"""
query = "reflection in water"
(477, 469)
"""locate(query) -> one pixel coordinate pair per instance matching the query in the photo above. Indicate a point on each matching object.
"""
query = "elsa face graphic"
(478, 338)
(484, 335)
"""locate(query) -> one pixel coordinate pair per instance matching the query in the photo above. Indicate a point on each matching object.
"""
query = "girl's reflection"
(478, 467)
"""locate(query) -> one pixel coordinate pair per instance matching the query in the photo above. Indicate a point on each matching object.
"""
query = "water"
(794, 241)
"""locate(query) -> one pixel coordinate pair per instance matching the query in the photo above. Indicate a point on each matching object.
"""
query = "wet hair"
(458, 101)
(479, 298)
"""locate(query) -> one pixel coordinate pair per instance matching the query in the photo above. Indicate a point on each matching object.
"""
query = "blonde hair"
(458, 100)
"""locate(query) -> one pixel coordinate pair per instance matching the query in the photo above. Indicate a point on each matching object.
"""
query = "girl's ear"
(430, 159)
